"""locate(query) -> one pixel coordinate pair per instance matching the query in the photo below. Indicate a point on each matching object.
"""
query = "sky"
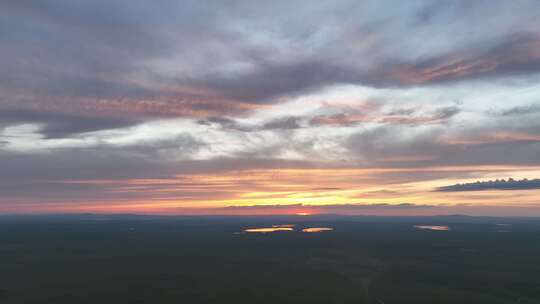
(270, 107)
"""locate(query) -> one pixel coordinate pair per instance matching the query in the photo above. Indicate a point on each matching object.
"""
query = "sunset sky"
(270, 107)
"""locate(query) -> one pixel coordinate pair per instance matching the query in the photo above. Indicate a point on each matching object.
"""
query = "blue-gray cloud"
(124, 50)
(57, 125)
(502, 184)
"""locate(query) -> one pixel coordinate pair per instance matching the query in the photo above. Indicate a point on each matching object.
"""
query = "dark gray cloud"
(285, 123)
(412, 147)
(503, 184)
(225, 123)
(517, 111)
(57, 125)
(272, 80)
(156, 51)
(94, 173)
(397, 116)
(76, 164)
(512, 55)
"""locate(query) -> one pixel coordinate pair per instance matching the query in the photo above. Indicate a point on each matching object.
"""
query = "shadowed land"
(146, 259)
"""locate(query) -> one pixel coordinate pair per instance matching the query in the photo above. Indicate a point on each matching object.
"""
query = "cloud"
(282, 123)
(509, 184)
(285, 123)
(411, 146)
(514, 55)
(57, 125)
(518, 111)
(397, 116)
(159, 59)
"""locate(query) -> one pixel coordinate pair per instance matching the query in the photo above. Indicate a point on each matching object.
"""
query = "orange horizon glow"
(300, 192)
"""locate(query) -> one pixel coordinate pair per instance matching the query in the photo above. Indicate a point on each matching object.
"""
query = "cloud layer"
(133, 104)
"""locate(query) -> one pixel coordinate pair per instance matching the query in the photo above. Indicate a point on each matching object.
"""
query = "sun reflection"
(303, 213)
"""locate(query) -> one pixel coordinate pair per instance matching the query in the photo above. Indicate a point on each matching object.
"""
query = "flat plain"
(151, 259)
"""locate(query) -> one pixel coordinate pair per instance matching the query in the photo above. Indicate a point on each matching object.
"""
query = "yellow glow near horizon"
(307, 187)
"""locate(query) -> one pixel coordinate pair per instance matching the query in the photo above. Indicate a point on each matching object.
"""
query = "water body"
(433, 227)
(317, 229)
(286, 227)
(268, 229)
